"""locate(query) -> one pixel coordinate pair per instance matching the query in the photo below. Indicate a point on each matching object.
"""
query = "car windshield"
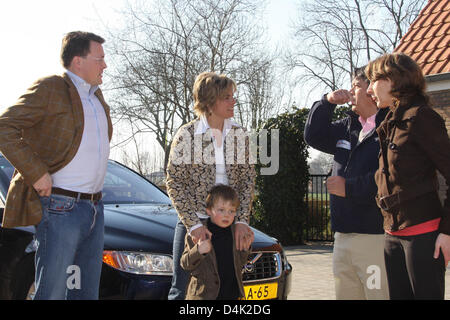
(122, 185)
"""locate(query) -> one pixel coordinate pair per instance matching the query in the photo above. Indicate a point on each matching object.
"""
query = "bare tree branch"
(166, 44)
(332, 38)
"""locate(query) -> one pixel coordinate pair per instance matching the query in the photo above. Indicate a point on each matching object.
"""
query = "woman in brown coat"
(414, 144)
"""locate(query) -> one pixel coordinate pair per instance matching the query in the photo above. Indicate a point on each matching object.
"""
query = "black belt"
(78, 195)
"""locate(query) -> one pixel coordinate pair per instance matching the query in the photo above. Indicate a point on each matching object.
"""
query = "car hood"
(150, 228)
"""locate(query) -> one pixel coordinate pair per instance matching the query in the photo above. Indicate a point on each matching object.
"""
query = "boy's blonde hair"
(223, 192)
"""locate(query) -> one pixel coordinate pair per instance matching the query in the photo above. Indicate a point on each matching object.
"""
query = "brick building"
(428, 42)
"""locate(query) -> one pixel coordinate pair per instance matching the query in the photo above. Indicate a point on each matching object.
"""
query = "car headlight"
(139, 262)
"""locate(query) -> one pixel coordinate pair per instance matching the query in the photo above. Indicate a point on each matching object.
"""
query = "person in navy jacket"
(358, 254)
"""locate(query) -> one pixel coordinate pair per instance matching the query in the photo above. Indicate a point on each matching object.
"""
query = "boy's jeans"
(70, 247)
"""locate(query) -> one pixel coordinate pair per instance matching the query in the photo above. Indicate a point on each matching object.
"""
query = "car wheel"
(22, 284)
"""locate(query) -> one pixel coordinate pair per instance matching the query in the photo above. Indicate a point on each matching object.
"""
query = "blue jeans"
(70, 248)
(180, 277)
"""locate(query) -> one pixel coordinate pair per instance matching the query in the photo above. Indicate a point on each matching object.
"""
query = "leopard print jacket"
(191, 171)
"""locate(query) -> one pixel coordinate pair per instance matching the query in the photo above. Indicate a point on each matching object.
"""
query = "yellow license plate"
(261, 291)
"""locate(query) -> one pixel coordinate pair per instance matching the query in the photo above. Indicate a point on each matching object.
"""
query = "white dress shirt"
(86, 171)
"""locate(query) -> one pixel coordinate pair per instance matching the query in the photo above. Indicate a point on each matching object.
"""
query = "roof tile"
(423, 33)
(437, 55)
(429, 7)
(440, 6)
(441, 67)
(428, 38)
(442, 29)
(424, 45)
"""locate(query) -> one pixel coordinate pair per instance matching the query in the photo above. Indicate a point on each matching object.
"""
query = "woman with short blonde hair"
(209, 87)
(191, 174)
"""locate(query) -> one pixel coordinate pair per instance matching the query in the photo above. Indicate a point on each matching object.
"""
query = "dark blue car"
(137, 257)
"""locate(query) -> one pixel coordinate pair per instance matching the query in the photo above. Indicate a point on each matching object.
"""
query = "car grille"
(262, 266)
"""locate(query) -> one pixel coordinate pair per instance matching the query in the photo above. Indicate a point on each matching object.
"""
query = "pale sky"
(31, 33)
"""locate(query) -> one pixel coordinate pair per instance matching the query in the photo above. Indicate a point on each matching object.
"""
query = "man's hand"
(201, 233)
(442, 243)
(44, 185)
(340, 96)
(244, 236)
(336, 186)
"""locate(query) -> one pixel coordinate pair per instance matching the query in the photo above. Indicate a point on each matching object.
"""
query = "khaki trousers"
(358, 267)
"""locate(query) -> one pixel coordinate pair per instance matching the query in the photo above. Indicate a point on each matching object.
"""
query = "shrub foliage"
(279, 207)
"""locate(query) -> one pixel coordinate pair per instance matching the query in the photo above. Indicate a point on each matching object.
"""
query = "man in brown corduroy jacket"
(57, 137)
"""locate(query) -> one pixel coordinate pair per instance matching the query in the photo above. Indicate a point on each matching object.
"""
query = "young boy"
(215, 264)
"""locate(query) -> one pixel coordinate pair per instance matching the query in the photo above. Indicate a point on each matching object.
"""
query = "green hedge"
(279, 208)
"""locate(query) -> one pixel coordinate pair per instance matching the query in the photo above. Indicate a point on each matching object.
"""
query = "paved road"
(312, 277)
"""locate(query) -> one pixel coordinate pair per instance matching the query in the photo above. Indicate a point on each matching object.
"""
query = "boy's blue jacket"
(356, 162)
